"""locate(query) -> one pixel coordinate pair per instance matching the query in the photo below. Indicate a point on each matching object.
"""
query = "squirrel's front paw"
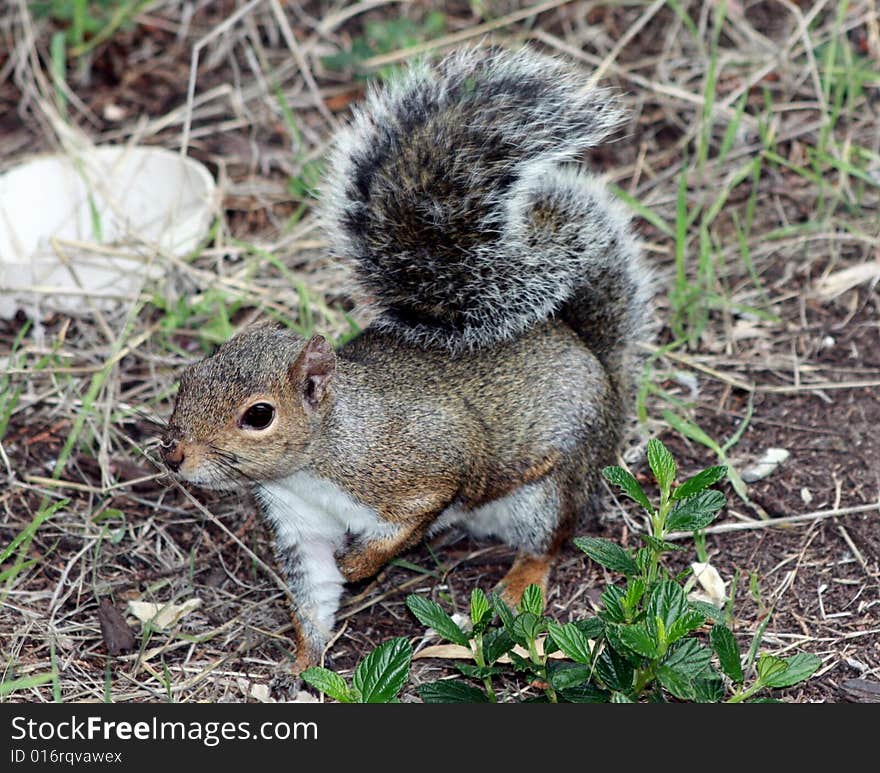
(353, 566)
(307, 656)
(309, 648)
(353, 560)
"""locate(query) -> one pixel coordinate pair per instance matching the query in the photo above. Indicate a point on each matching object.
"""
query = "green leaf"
(690, 658)
(496, 643)
(658, 546)
(698, 482)
(619, 697)
(614, 670)
(688, 621)
(329, 683)
(571, 641)
(503, 611)
(585, 693)
(612, 601)
(381, 674)
(667, 603)
(635, 589)
(680, 685)
(565, 676)
(478, 672)
(769, 668)
(695, 512)
(612, 637)
(520, 663)
(25, 682)
(480, 609)
(725, 646)
(708, 610)
(639, 640)
(625, 480)
(607, 553)
(532, 600)
(592, 627)
(31, 528)
(662, 464)
(690, 430)
(644, 560)
(643, 211)
(528, 626)
(431, 614)
(451, 691)
(708, 690)
(798, 668)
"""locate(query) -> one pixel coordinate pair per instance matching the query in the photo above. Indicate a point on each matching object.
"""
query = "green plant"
(378, 678)
(649, 624)
(383, 37)
(643, 644)
(648, 641)
(212, 310)
(10, 394)
(22, 542)
(87, 23)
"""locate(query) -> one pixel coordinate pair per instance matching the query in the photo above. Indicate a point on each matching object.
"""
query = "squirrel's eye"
(258, 416)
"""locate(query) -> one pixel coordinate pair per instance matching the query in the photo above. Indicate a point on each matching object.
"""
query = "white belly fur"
(311, 517)
(514, 519)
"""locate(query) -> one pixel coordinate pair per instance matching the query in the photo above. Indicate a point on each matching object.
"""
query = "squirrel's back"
(456, 196)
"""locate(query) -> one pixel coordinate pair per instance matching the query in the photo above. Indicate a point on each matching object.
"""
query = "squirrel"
(496, 378)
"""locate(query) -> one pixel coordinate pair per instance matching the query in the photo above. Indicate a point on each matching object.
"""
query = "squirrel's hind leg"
(526, 570)
(536, 519)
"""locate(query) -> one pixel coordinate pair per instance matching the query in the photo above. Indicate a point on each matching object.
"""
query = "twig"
(818, 515)
(194, 66)
(634, 30)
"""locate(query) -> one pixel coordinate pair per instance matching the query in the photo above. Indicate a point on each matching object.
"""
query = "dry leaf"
(259, 692)
(745, 329)
(304, 697)
(117, 634)
(445, 652)
(714, 591)
(840, 281)
(162, 616)
(766, 465)
(458, 652)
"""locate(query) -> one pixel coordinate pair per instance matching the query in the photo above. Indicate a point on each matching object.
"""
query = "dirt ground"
(782, 348)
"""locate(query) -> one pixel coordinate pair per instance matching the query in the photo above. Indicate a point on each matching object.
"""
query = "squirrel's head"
(251, 410)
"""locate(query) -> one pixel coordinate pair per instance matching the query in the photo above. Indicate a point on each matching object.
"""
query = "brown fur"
(491, 386)
(407, 432)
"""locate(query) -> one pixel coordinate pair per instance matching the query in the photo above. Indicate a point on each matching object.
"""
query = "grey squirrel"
(494, 383)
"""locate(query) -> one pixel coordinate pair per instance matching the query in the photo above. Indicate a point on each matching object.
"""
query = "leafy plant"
(378, 678)
(648, 641)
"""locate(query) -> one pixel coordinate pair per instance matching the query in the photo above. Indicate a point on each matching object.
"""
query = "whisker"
(144, 416)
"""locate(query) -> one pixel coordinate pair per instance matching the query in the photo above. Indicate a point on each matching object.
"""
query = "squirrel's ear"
(312, 370)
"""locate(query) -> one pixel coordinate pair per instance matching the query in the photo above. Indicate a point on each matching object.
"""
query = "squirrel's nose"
(172, 455)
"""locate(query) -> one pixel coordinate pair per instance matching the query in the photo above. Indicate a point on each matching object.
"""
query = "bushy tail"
(455, 197)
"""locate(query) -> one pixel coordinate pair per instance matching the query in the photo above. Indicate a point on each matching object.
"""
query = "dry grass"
(752, 158)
